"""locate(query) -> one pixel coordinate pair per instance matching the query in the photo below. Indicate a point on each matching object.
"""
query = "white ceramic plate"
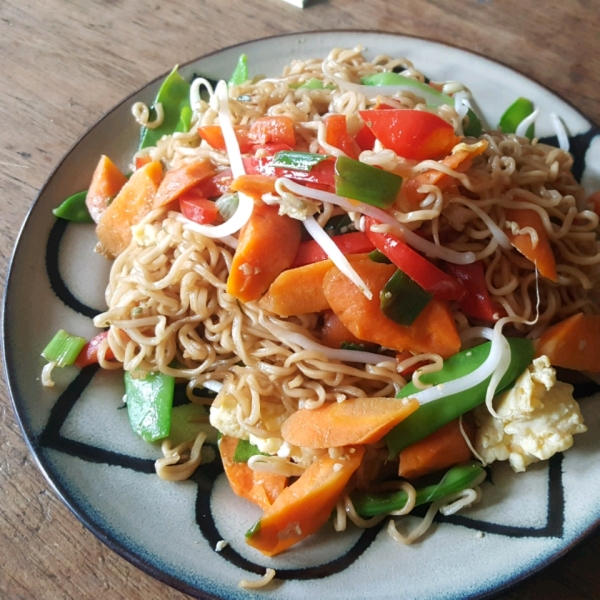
(84, 445)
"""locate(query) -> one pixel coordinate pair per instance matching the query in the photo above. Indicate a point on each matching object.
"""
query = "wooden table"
(64, 63)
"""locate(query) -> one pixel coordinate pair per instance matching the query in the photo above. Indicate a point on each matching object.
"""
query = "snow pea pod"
(432, 96)
(519, 110)
(149, 404)
(74, 209)
(174, 96)
(240, 73)
(458, 478)
(433, 415)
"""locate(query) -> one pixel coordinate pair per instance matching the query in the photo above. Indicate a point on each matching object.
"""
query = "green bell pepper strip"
(240, 73)
(174, 96)
(432, 96)
(519, 110)
(63, 348)
(402, 300)
(433, 415)
(366, 183)
(457, 479)
(74, 209)
(379, 257)
(149, 404)
(299, 161)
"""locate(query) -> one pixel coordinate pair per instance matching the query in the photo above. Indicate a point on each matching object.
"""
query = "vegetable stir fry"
(377, 288)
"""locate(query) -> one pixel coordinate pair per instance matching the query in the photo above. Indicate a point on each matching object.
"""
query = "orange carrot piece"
(573, 343)
(434, 330)
(459, 161)
(305, 506)
(107, 182)
(268, 244)
(180, 180)
(260, 488)
(133, 202)
(299, 291)
(442, 449)
(354, 421)
(254, 185)
(541, 254)
(334, 333)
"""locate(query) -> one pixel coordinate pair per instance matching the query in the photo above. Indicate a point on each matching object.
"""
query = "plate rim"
(41, 462)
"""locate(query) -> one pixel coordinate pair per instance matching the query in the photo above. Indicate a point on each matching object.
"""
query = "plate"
(84, 446)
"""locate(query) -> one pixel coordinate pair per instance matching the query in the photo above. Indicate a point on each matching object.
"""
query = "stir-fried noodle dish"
(365, 289)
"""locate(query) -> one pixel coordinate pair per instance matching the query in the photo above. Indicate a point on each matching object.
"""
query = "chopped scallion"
(63, 348)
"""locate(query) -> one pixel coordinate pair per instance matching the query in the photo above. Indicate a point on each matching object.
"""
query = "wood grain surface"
(65, 62)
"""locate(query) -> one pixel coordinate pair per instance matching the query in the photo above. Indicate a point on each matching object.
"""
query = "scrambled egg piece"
(538, 418)
(223, 416)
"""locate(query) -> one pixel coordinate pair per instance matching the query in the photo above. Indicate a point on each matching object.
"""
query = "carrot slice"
(260, 488)
(132, 204)
(459, 161)
(107, 182)
(180, 180)
(334, 333)
(254, 185)
(354, 421)
(433, 330)
(573, 343)
(268, 244)
(540, 254)
(442, 449)
(299, 291)
(305, 506)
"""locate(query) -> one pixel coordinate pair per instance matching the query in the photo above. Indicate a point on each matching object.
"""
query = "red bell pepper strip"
(213, 136)
(365, 138)
(476, 302)
(337, 135)
(262, 131)
(310, 252)
(195, 207)
(412, 134)
(89, 353)
(418, 268)
(322, 175)
(140, 161)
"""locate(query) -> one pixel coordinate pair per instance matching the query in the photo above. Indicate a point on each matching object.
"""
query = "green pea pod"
(402, 300)
(185, 120)
(174, 96)
(366, 183)
(240, 73)
(244, 451)
(299, 161)
(432, 96)
(433, 415)
(312, 84)
(74, 209)
(187, 421)
(458, 478)
(519, 110)
(149, 404)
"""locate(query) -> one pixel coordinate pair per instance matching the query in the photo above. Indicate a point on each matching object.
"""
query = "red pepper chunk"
(195, 207)
(355, 242)
(476, 302)
(418, 268)
(337, 135)
(89, 353)
(213, 136)
(413, 134)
